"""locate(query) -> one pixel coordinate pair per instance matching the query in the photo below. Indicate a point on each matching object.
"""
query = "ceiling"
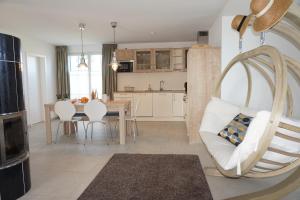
(56, 21)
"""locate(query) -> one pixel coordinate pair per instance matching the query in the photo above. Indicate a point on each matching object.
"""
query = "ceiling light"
(82, 64)
(114, 62)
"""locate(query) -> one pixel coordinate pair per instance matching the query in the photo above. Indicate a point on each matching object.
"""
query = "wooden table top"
(108, 103)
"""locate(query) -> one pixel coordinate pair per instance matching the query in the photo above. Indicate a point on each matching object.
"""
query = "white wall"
(34, 47)
(231, 8)
(173, 80)
(261, 98)
(74, 49)
(157, 45)
(223, 36)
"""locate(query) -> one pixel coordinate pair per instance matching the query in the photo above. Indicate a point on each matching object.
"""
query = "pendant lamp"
(82, 64)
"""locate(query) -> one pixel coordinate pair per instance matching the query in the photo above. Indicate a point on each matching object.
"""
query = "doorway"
(35, 66)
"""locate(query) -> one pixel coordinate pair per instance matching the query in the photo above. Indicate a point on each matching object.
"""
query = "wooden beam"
(286, 137)
(273, 162)
(295, 155)
(289, 127)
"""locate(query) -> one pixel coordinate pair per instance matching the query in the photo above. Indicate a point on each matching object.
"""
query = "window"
(84, 81)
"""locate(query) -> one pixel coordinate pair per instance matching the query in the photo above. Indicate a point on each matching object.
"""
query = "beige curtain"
(62, 73)
(109, 76)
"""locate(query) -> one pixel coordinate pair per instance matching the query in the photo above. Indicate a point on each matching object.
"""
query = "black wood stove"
(14, 149)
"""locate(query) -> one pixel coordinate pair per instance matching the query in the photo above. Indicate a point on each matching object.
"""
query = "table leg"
(48, 125)
(122, 125)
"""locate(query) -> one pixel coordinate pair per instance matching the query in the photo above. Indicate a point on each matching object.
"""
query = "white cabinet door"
(162, 104)
(178, 105)
(145, 107)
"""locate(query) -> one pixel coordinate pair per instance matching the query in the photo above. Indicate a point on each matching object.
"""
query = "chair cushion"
(80, 115)
(219, 148)
(236, 130)
(112, 114)
(250, 143)
(217, 115)
(226, 154)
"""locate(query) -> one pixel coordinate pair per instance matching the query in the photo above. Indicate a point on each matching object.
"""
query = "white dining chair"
(95, 110)
(65, 111)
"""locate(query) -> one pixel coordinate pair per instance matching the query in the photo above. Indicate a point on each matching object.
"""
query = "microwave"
(126, 66)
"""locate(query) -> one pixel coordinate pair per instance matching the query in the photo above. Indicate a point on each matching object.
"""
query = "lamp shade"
(82, 64)
(114, 63)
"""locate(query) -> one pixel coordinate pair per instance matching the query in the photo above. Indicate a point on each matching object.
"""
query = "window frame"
(89, 64)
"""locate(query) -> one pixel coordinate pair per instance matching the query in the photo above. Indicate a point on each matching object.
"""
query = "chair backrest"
(65, 110)
(95, 110)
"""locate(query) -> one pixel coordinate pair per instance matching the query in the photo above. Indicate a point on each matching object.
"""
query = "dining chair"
(132, 118)
(65, 111)
(95, 110)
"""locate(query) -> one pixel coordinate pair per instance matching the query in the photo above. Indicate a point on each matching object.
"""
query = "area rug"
(149, 177)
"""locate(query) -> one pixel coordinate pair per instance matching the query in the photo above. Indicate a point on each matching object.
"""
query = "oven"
(126, 66)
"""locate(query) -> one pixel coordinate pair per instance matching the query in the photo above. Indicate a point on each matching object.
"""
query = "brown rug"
(149, 177)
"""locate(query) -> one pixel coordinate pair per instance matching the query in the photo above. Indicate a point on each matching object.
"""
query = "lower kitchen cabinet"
(156, 106)
(178, 105)
(162, 104)
(145, 104)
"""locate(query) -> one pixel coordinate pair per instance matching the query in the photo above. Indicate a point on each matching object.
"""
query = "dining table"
(121, 106)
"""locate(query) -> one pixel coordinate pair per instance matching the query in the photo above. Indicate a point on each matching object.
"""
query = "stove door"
(14, 138)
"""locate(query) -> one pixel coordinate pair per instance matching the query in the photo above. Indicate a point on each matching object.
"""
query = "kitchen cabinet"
(145, 104)
(179, 59)
(162, 104)
(156, 106)
(144, 60)
(125, 54)
(202, 75)
(162, 58)
(178, 105)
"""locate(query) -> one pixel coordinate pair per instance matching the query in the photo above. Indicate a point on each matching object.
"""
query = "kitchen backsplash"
(173, 80)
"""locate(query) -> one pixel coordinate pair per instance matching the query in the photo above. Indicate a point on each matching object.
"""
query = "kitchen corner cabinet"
(163, 59)
(145, 104)
(144, 60)
(125, 54)
(162, 104)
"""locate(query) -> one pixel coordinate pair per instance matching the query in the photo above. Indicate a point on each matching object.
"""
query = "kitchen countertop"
(152, 91)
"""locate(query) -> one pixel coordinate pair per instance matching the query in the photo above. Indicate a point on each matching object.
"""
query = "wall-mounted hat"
(268, 13)
(240, 23)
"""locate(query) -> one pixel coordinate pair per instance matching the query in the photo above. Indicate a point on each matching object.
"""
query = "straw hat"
(240, 23)
(268, 13)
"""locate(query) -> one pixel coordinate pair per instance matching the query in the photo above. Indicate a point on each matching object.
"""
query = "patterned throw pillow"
(236, 130)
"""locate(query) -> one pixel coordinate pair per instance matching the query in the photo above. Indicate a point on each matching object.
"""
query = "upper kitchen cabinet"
(125, 54)
(144, 60)
(179, 59)
(163, 60)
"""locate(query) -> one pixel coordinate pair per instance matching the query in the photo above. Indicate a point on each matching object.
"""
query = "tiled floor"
(62, 171)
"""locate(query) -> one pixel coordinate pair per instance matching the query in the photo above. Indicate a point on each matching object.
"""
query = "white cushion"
(249, 145)
(217, 115)
(218, 147)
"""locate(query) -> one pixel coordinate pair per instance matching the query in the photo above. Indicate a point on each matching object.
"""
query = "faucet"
(161, 84)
